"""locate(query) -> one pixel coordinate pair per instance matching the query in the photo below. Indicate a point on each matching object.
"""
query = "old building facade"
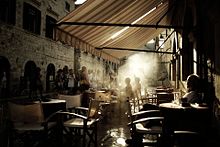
(26, 32)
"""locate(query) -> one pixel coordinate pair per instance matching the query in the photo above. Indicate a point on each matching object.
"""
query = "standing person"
(39, 84)
(137, 88)
(84, 85)
(65, 77)
(128, 89)
(35, 83)
(129, 94)
(192, 95)
(59, 80)
(84, 81)
(137, 92)
(3, 85)
(71, 81)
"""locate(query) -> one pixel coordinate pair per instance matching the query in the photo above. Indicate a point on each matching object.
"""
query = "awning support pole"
(120, 25)
(136, 50)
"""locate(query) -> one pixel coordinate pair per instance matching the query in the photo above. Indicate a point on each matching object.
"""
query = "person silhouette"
(192, 95)
(128, 89)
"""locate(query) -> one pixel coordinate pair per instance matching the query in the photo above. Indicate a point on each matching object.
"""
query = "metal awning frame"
(121, 25)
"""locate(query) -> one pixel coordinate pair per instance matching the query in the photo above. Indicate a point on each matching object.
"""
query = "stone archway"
(50, 77)
(29, 72)
(4, 77)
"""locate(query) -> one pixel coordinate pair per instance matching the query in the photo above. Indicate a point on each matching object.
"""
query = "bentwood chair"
(145, 123)
(28, 125)
(78, 126)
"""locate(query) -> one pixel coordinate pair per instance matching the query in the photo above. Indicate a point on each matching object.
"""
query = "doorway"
(4, 77)
(50, 77)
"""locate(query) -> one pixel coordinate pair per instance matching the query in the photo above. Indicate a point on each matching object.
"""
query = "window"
(31, 19)
(67, 6)
(7, 11)
(49, 26)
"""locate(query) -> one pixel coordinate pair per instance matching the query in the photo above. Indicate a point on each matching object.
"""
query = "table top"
(178, 106)
(52, 101)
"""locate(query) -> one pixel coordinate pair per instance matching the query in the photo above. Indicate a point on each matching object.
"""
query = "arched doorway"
(50, 77)
(4, 77)
(29, 73)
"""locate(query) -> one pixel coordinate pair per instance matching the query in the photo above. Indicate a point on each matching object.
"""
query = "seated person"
(192, 95)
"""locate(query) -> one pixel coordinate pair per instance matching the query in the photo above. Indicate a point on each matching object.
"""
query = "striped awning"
(100, 24)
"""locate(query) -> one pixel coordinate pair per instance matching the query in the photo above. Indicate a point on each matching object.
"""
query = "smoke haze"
(142, 65)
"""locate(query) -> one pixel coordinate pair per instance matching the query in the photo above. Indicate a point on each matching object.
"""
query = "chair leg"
(137, 140)
(95, 129)
(93, 136)
(84, 136)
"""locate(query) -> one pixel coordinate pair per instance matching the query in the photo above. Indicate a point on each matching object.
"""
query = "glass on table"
(177, 98)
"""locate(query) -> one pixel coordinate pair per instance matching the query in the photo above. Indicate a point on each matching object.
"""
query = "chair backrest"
(71, 100)
(102, 96)
(94, 106)
(164, 97)
(26, 113)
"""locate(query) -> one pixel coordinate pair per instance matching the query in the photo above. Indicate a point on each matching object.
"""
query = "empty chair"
(28, 123)
(71, 100)
(78, 126)
(145, 123)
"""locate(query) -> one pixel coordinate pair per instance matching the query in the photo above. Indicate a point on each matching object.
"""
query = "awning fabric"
(90, 37)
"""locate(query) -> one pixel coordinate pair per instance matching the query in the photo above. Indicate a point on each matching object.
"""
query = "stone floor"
(113, 130)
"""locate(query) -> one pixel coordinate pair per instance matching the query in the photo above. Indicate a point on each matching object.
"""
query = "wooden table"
(178, 118)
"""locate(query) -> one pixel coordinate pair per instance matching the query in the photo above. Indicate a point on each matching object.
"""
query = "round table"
(193, 117)
(178, 106)
(178, 118)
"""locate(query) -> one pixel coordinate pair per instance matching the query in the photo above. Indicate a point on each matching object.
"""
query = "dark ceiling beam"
(121, 25)
(136, 50)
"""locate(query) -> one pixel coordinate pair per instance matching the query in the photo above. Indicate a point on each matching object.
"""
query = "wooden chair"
(78, 126)
(28, 123)
(144, 123)
(164, 97)
(72, 101)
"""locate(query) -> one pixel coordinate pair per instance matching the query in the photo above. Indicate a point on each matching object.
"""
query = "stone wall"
(20, 46)
(96, 69)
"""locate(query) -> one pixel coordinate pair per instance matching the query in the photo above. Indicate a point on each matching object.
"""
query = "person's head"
(193, 82)
(59, 71)
(127, 81)
(137, 79)
(65, 69)
(83, 68)
(70, 71)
